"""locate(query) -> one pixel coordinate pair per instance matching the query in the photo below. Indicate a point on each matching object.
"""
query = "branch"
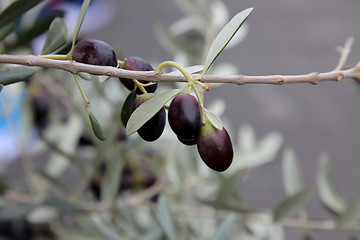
(74, 67)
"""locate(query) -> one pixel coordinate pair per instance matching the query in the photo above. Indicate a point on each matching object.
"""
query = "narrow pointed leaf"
(214, 119)
(80, 20)
(329, 195)
(7, 29)
(15, 10)
(127, 107)
(292, 204)
(351, 213)
(225, 36)
(148, 109)
(224, 231)
(291, 173)
(11, 75)
(165, 219)
(96, 127)
(56, 36)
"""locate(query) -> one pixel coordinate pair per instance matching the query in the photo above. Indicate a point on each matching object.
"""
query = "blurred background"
(284, 37)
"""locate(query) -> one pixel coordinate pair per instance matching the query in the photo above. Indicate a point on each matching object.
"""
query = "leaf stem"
(87, 102)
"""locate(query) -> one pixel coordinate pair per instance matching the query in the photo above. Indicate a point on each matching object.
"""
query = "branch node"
(29, 63)
(340, 76)
(281, 81)
(110, 73)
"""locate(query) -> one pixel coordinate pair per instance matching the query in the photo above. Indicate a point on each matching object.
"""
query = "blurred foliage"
(76, 187)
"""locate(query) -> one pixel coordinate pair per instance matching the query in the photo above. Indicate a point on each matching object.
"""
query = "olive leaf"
(292, 177)
(80, 19)
(224, 231)
(127, 107)
(225, 36)
(7, 29)
(11, 75)
(164, 217)
(329, 195)
(292, 204)
(96, 127)
(56, 36)
(148, 109)
(214, 119)
(15, 10)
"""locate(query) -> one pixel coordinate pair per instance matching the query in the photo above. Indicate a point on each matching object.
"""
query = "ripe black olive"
(94, 52)
(185, 118)
(215, 147)
(137, 64)
(153, 128)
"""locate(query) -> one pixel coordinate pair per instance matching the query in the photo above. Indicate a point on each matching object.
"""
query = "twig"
(344, 54)
(75, 67)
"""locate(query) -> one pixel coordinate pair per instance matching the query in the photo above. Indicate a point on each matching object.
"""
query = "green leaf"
(12, 75)
(329, 195)
(96, 127)
(7, 29)
(80, 19)
(225, 36)
(56, 36)
(148, 109)
(224, 230)
(164, 217)
(15, 10)
(127, 107)
(351, 213)
(292, 204)
(214, 119)
(291, 173)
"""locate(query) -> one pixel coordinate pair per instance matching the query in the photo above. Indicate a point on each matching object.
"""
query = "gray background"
(286, 37)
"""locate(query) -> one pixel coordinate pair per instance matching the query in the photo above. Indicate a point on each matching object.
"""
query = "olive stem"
(56, 57)
(140, 86)
(87, 102)
(188, 77)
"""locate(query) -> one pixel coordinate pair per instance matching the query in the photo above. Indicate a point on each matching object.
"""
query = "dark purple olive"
(153, 128)
(185, 118)
(137, 64)
(215, 147)
(94, 52)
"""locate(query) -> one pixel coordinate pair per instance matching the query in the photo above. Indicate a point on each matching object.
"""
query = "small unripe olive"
(185, 118)
(95, 52)
(137, 64)
(154, 127)
(215, 147)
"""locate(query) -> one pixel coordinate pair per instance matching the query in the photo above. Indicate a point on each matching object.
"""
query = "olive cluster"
(184, 114)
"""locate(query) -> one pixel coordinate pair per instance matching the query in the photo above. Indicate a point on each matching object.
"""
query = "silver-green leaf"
(164, 217)
(224, 231)
(80, 19)
(292, 204)
(15, 10)
(7, 29)
(225, 36)
(292, 177)
(148, 109)
(214, 119)
(96, 127)
(11, 75)
(329, 195)
(56, 36)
